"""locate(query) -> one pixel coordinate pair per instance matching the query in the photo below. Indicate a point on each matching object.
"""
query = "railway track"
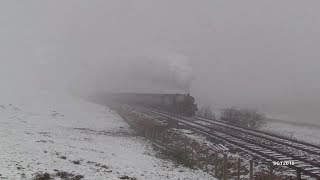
(307, 147)
(305, 157)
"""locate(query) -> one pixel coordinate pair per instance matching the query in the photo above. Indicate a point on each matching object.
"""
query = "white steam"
(170, 71)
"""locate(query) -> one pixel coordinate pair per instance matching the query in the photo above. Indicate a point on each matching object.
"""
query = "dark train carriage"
(167, 100)
(177, 103)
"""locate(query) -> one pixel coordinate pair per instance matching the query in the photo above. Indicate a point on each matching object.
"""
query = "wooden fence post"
(185, 142)
(206, 161)
(161, 137)
(225, 163)
(251, 169)
(152, 134)
(146, 132)
(156, 135)
(271, 170)
(239, 167)
(299, 174)
(216, 165)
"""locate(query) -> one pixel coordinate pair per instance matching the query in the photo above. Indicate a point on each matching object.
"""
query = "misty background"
(257, 54)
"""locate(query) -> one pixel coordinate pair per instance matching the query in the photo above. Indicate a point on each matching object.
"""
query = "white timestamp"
(283, 163)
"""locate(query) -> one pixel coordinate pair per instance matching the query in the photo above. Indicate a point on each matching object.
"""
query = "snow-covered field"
(306, 133)
(47, 133)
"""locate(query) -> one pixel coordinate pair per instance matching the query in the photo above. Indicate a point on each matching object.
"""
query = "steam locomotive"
(178, 103)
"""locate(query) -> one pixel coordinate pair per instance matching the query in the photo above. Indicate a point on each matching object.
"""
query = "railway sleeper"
(316, 172)
(268, 152)
(280, 156)
(298, 162)
(304, 166)
(312, 169)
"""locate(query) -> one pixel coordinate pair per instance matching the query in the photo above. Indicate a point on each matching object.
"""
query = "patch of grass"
(127, 177)
(45, 176)
(59, 174)
(105, 167)
(63, 157)
(68, 176)
(98, 165)
(76, 162)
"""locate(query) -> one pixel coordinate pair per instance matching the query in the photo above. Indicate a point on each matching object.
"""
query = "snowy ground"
(68, 134)
(306, 133)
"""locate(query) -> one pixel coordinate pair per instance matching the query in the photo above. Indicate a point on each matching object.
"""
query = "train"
(183, 104)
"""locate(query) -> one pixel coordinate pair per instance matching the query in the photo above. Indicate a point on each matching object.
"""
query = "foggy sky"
(262, 54)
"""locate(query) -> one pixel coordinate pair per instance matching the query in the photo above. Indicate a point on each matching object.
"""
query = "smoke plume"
(171, 71)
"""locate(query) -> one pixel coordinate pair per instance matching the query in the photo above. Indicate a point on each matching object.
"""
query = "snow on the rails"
(46, 134)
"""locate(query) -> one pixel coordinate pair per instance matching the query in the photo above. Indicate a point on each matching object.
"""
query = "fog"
(260, 54)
